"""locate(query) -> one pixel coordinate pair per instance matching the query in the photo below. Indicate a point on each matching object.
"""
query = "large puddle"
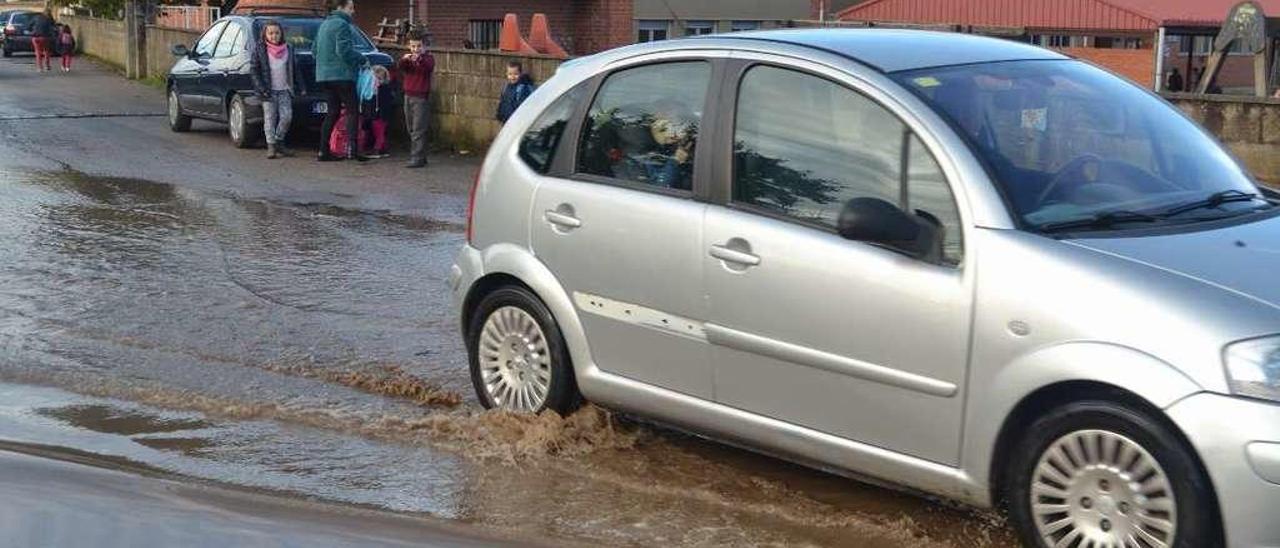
(313, 351)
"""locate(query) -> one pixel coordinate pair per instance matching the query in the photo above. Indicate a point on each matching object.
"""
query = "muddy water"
(312, 351)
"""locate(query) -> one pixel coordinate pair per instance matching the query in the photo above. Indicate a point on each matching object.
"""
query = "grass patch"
(157, 82)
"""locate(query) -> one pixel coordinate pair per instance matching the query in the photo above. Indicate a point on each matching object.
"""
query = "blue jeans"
(277, 113)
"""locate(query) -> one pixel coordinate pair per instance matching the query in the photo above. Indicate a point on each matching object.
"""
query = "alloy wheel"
(173, 108)
(236, 121)
(515, 361)
(1095, 488)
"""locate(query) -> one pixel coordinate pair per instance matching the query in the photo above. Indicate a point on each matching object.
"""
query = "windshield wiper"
(1100, 221)
(1214, 200)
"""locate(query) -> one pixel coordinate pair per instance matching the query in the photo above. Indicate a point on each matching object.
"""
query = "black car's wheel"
(178, 121)
(518, 357)
(1100, 473)
(243, 135)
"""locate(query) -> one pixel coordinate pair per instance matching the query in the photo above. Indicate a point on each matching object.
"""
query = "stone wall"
(160, 41)
(1249, 126)
(101, 38)
(465, 93)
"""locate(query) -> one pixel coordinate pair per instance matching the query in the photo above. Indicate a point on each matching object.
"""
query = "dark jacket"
(382, 106)
(260, 70)
(513, 95)
(42, 26)
(417, 75)
(336, 57)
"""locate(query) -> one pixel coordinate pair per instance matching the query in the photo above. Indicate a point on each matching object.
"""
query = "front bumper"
(1239, 442)
(468, 266)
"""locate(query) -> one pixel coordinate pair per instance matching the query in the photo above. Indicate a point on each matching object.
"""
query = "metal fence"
(187, 17)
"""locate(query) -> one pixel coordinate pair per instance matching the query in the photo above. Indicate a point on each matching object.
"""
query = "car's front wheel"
(518, 357)
(242, 134)
(1100, 473)
(178, 121)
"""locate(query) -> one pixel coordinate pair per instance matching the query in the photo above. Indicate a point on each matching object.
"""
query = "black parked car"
(211, 80)
(16, 25)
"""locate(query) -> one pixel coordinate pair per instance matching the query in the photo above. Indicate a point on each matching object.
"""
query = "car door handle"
(561, 219)
(730, 255)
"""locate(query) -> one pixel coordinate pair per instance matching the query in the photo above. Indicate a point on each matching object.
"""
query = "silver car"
(972, 267)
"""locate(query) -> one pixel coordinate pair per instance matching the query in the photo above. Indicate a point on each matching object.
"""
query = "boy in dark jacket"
(519, 87)
(417, 67)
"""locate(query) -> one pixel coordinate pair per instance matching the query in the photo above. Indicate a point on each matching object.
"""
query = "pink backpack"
(338, 139)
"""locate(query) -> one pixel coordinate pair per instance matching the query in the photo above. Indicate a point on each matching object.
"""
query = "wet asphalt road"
(172, 305)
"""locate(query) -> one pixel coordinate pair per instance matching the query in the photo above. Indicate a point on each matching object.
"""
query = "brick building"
(580, 26)
(1118, 34)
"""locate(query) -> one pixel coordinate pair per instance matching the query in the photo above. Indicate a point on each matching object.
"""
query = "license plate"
(320, 108)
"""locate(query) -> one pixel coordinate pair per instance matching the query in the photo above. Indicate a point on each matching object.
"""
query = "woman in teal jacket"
(337, 64)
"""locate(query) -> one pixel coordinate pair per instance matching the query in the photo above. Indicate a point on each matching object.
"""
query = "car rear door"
(621, 228)
(806, 327)
(229, 58)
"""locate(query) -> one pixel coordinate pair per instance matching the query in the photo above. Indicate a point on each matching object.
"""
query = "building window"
(1110, 42)
(483, 33)
(699, 28)
(651, 31)
(739, 26)
(1061, 41)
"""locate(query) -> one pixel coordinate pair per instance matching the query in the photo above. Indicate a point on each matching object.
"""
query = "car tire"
(8, 52)
(519, 361)
(178, 121)
(243, 134)
(1102, 470)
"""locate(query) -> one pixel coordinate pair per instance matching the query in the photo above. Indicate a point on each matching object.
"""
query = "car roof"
(893, 50)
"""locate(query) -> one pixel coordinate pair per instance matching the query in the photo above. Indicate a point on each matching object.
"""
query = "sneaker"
(284, 151)
(415, 164)
(272, 153)
(378, 156)
(361, 158)
(326, 157)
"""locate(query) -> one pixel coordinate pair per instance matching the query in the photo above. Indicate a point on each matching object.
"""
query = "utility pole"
(135, 36)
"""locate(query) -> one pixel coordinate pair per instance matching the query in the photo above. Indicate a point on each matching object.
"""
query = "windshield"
(20, 19)
(301, 32)
(1067, 141)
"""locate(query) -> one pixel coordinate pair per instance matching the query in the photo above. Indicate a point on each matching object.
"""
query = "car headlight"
(1253, 368)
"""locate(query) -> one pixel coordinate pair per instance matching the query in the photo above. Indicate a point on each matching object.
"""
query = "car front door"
(843, 337)
(188, 71)
(228, 57)
(621, 231)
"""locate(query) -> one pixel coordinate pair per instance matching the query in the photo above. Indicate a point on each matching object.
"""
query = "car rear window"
(301, 33)
(20, 19)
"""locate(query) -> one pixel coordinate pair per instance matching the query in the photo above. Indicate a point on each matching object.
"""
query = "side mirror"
(180, 50)
(879, 222)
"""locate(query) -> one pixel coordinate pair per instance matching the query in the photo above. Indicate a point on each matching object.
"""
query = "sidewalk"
(96, 122)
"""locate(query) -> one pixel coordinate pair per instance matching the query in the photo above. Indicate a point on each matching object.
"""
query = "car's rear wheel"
(178, 121)
(518, 357)
(242, 134)
(1099, 473)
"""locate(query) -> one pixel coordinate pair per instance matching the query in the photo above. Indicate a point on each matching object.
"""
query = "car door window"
(241, 38)
(205, 46)
(804, 146)
(227, 44)
(539, 144)
(643, 125)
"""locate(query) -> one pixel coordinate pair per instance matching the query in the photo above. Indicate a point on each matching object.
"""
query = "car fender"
(518, 262)
(1154, 380)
